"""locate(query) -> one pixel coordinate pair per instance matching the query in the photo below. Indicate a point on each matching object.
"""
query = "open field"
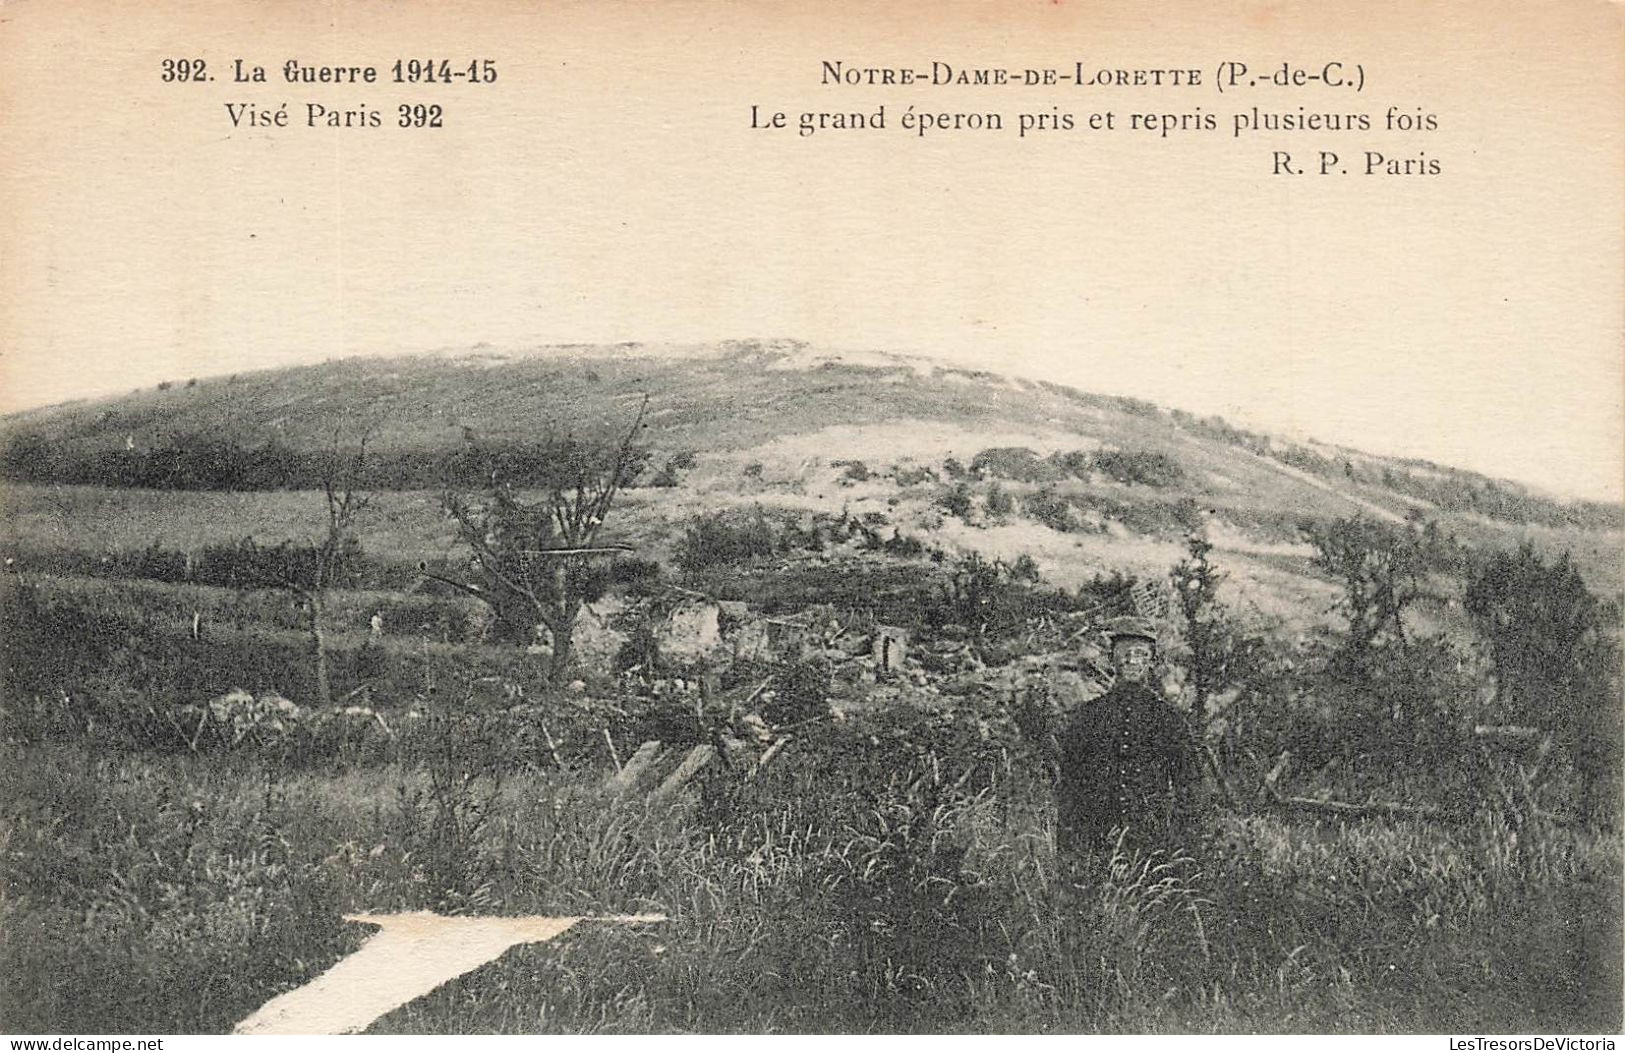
(209, 753)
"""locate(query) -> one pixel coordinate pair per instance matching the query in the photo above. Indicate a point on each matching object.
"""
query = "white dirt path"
(408, 957)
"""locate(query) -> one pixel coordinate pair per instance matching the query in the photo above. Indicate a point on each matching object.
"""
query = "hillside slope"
(779, 425)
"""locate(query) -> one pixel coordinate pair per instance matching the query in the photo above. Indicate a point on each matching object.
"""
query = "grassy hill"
(777, 424)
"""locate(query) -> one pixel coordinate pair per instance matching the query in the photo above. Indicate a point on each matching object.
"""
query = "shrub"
(1376, 721)
(956, 501)
(1146, 467)
(1453, 490)
(667, 476)
(853, 471)
(801, 692)
(1049, 508)
(1306, 459)
(1024, 568)
(998, 501)
(990, 596)
(1075, 463)
(207, 461)
(724, 538)
(153, 562)
(634, 572)
(1133, 406)
(1016, 463)
(903, 546)
(1380, 567)
(1151, 517)
(914, 475)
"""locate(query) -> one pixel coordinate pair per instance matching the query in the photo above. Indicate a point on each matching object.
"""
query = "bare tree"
(1381, 569)
(535, 559)
(341, 469)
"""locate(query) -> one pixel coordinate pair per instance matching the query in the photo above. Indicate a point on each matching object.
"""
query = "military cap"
(1130, 627)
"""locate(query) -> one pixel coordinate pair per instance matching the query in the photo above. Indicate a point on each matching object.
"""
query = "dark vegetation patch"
(1143, 467)
(1016, 463)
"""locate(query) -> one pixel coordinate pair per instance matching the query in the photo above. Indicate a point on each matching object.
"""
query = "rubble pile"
(239, 718)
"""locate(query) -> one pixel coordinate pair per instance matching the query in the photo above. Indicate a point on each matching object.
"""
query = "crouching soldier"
(1128, 759)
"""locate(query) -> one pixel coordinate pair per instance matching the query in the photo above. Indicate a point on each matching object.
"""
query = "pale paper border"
(609, 188)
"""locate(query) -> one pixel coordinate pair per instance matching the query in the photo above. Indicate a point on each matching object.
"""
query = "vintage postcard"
(1040, 516)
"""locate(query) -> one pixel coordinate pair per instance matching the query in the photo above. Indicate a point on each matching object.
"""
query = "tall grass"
(177, 894)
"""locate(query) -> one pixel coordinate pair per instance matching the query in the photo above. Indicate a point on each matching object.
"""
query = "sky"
(609, 187)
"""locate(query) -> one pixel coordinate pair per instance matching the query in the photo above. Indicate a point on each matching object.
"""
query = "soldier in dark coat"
(1128, 759)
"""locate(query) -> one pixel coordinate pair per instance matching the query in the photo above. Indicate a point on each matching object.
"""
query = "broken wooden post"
(1360, 810)
(767, 757)
(1271, 797)
(1212, 762)
(634, 769)
(888, 647)
(1274, 775)
(1511, 736)
(552, 747)
(697, 758)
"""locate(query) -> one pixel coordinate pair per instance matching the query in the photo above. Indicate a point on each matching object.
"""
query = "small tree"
(1554, 649)
(535, 558)
(1220, 656)
(323, 561)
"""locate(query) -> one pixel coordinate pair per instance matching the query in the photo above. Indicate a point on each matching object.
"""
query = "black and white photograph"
(602, 518)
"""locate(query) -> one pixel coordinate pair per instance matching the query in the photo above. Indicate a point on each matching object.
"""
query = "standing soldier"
(1128, 758)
